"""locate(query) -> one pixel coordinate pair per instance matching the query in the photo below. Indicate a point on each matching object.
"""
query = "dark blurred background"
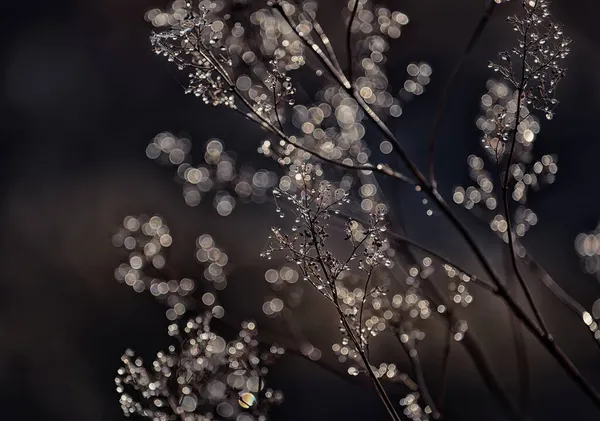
(83, 95)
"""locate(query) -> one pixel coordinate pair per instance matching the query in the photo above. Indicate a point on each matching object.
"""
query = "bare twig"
(417, 367)
(445, 366)
(469, 342)
(563, 296)
(523, 370)
(439, 114)
(552, 286)
(362, 304)
(395, 237)
(349, 40)
(324, 40)
(477, 355)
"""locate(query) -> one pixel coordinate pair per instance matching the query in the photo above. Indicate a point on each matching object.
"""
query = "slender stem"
(349, 40)
(395, 237)
(441, 107)
(267, 337)
(358, 344)
(275, 110)
(515, 266)
(266, 124)
(389, 406)
(523, 370)
(417, 367)
(399, 239)
(471, 344)
(445, 366)
(362, 306)
(547, 341)
(477, 355)
(522, 359)
(555, 289)
(325, 61)
(563, 296)
(506, 196)
(324, 40)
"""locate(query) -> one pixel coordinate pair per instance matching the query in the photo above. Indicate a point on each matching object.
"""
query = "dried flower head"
(534, 66)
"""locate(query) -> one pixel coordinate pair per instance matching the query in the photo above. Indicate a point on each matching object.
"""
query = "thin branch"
(475, 279)
(549, 283)
(362, 306)
(477, 355)
(439, 114)
(325, 61)
(523, 370)
(267, 337)
(267, 125)
(445, 366)
(506, 196)
(331, 281)
(325, 41)
(417, 367)
(275, 104)
(399, 239)
(469, 342)
(349, 40)
(378, 386)
(563, 296)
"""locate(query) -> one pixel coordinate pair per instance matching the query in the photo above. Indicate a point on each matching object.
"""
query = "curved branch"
(483, 21)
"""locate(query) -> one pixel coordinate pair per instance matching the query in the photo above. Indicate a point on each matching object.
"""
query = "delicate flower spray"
(247, 57)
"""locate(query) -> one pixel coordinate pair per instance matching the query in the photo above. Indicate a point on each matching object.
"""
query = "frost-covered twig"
(314, 205)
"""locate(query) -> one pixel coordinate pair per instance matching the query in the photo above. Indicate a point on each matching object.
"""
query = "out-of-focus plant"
(338, 157)
(203, 376)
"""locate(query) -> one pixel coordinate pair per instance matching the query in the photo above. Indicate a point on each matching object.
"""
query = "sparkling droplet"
(246, 400)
